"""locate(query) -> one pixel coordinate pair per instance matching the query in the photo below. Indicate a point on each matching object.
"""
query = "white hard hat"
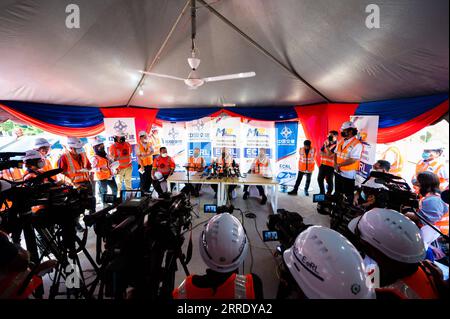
(326, 265)
(223, 243)
(41, 142)
(434, 145)
(390, 232)
(33, 154)
(159, 176)
(348, 124)
(142, 133)
(74, 142)
(96, 141)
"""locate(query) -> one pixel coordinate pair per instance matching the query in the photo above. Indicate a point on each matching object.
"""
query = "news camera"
(287, 225)
(7, 161)
(143, 239)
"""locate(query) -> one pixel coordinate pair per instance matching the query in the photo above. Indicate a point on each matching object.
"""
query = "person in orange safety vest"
(196, 164)
(101, 166)
(431, 161)
(223, 248)
(164, 165)
(120, 152)
(260, 166)
(144, 154)
(326, 168)
(305, 166)
(43, 146)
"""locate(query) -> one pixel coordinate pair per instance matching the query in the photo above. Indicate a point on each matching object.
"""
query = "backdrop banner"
(199, 135)
(367, 134)
(174, 137)
(256, 135)
(226, 132)
(286, 152)
(118, 125)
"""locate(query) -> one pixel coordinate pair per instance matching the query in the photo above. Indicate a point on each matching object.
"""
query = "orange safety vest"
(145, 154)
(163, 165)
(433, 166)
(397, 166)
(260, 167)
(417, 286)
(327, 160)
(13, 174)
(74, 168)
(121, 152)
(342, 154)
(235, 287)
(10, 285)
(306, 162)
(100, 172)
(196, 163)
(47, 167)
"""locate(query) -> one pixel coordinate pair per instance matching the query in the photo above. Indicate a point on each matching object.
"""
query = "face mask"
(164, 155)
(122, 139)
(344, 134)
(196, 154)
(40, 164)
(79, 150)
(330, 138)
(426, 155)
(144, 141)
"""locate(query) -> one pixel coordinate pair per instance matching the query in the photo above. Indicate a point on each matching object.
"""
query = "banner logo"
(120, 126)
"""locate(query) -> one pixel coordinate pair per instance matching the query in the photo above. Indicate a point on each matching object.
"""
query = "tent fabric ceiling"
(324, 41)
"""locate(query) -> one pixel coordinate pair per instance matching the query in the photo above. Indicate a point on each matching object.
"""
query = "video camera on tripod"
(7, 161)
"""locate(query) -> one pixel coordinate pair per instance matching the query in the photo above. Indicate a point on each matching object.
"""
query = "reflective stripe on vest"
(74, 169)
(306, 162)
(342, 154)
(100, 174)
(15, 175)
(145, 154)
(195, 163)
(417, 286)
(235, 287)
(122, 154)
(261, 167)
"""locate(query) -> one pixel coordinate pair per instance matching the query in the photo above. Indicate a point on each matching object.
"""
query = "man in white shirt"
(347, 156)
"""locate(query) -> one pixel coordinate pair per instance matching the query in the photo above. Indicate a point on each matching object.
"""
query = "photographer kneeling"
(323, 264)
(223, 247)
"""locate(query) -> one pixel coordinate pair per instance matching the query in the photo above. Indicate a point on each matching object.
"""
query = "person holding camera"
(120, 152)
(394, 243)
(431, 206)
(368, 201)
(431, 162)
(43, 147)
(223, 248)
(260, 166)
(34, 164)
(326, 168)
(347, 156)
(144, 153)
(323, 264)
(305, 166)
(163, 167)
(101, 166)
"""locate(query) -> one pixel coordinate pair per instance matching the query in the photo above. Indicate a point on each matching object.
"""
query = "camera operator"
(76, 168)
(348, 154)
(368, 201)
(394, 243)
(43, 147)
(223, 247)
(326, 168)
(164, 165)
(323, 264)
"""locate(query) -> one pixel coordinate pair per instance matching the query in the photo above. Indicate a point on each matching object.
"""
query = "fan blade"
(230, 77)
(162, 75)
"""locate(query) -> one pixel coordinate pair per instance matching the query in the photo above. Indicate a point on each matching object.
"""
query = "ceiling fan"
(194, 81)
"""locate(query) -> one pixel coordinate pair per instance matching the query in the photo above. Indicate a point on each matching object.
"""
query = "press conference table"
(250, 179)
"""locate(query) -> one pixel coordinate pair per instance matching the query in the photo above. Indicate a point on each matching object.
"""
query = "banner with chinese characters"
(174, 137)
(367, 134)
(123, 125)
(256, 135)
(286, 134)
(225, 132)
(199, 136)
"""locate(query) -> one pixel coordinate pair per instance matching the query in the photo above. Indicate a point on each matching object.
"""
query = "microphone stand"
(190, 188)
